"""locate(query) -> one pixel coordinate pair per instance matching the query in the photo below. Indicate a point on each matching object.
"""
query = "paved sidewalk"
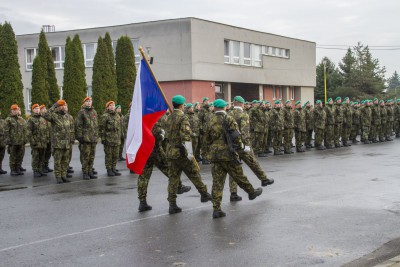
(393, 262)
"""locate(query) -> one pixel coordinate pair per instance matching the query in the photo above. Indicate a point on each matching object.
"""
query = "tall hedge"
(39, 95)
(126, 71)
(11, 87)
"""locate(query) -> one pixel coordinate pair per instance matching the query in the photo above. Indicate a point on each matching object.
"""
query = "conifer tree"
(11, 87)
(126, 71)
(39, 94)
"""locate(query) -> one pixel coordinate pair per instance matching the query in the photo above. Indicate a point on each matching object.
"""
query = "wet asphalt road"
(326, 208)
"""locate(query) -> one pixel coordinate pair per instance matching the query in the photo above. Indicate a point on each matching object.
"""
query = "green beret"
(220, 103)
(381, 101)
(297, 102)
(307, 102)
(351, 102)
(346, 98)
(205, 98)
(254, 101)
(329, 100)
(375, 99)
(195, 104)
(239, 99)
(178, 99)
(117, 106)
(267, 102)
(355, 103)
(211, 104)
(277, 102)
(337, 98)
(398, 100)
(287, 101)
(317, 102)
(189, 105)
(246, 103)
(362, 101)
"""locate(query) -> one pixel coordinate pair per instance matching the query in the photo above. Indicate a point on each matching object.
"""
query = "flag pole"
(154, 77)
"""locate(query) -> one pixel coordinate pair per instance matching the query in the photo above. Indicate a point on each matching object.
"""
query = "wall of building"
(194, 91)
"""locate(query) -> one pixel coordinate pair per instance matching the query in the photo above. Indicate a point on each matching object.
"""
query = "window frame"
(61, 60)
(26, 58)
(85, 55)
(227, 57)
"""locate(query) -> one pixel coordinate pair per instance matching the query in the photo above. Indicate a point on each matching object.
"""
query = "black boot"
(48, 169)
(65, 180)
(59, 180)
(267, 182)
(92, 176)
(218, 214)
(70, 170)
(321, 147)
(94, 171)
(143, 206)
(205, 197)
(110, 173)
(14, 173)
(184, 189)
(22, 169)
(116, 173)
(173, 208)
(256, 193)
(42, 173)
(36, 174)
(69, 175)
(121, 159)
(86, 176)
(2, 171)
(235, 197)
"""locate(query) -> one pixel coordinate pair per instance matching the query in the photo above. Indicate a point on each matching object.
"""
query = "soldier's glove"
(201, 131)
(247, 149)
(80, 140)
(104, 142)
(189, 150)
(162, 137)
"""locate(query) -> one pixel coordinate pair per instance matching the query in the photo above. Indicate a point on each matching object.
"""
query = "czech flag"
(148, 105)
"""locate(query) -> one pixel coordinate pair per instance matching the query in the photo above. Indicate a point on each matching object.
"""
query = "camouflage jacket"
(258, 120)
(396, 110)
(330, 116)
(338, 113)
(15, 130)
(37, 131)
(61, 128)
(2, 133)
(123, 128)
(389, 111)
(178, 132)
(87, 126)
(71, 120)
(288, 118)
(276, 120)
(158, 151)
(383, 114)
(243, 122)
(346, 115)
(215, 137)
(375, 115)
(203, 117)
(299, 118)
(356, 116)
(365, 116)
(194, 124)
(309, 118)
(110, 128)
(319, 116)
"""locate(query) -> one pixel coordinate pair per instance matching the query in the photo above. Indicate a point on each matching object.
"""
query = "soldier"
(180, 155)
(390, 120)
(15, 132)
(365, 118)
(355, 128)
(194, 126)
(246, 154)
(71, 140)
(87, 134)
(224, 161)
(288, 127)
(397, 117)
(2, 144)
(110, 134)
(300, 129)
(309, 123)
(37, 131)
(123, 133)
(338, 113)
(347, 122)
(61, 134)
(277, 126)
(203, 117)
(258, 122)
(319, 118)
(330, 124)
(383, 120)
(47, 156)
(375, 122)
(268, 131)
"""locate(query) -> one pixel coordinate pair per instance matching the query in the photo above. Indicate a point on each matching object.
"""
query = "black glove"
(201, 131)
(104, 142)
(80, 140)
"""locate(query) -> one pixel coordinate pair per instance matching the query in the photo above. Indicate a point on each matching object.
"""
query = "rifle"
(231, 135)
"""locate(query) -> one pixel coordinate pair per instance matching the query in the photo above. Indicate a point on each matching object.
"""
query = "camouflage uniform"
(15, 132)
(338, 113)
(243, 122)
(375, 123)
(61, 135)
(355, 127)
(288, 129)
(396, 111)
(37, 131)
(2, 144)
(347, 124)
(123, 136)
(268, 131)
(178, 132)
(48, 149)
(87, 134)
(72, 136)
(390, 122)
(204, 115)
(300, 129)
(110, 134)
(277, 126)
(222, 162)
(258, 124)
(365, 118)
(309, 125)
(383, 120)
(319, 117)
(195, 127)
(330, 125)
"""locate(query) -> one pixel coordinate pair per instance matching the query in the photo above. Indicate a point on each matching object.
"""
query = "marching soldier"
(180, 155)
(390, 121)
(269, 133)
(87, 134)
(37, 131)
(61, 135)
(319, 117)
(277, 127)
(47, 156)
(2, 144)
(194, 126)
(309, 124)
(338, 113)
(375, 122)
(123, 133)
(396, 111)
(258, 122)
(15, 132)
(223, 160)
(288, 127)
(72, 141)
(110, 134)
(330, 124)
(300, 128)
(203, 117)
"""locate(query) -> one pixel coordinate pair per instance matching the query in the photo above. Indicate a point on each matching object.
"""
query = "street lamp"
(325, 68)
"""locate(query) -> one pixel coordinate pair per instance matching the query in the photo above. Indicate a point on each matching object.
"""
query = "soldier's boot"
(288, 152)
(65, 180)
(42, 173)
(367, 142)
(277, 153)
(173, 208)
(44, 170)
(268, 151)
(121, 159)
(300, 150)
(116, 172)
(14, 172)
(22, 169)
(184, 189)
(389, 138)
(355, 141)
(321, 147)
(266, 182)
(70, 170)
(36, 174)
(19, 171)
(235, 197)
(110, 173)
(69, 175)
(205, 197)
(92, 176)
(2, 171)
(86, 176)
(218, 214)
(143, 206)
(256, 193)
(94, 171)
(49, 169)
(59, 180)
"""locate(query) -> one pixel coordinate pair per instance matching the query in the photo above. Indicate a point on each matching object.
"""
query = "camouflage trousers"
(266, 136)
(17, 153)
(111, 156)
(38, 159)
(121, 148)
(382, 132)
(47, 155)
(374, 132)
(277, 141)
(195, 144)
(396, 126)
(190, 169)
(389, 129)
(144, 178)
(355, 128)
(61, 161)
(197, 150)
(319, 136)
(287, 139)
(269, 139)
(346, 131)
(2, 153)
(259, 142)
(203, 147)
(88, 153)
(364, 133)
(329, 134)
(308, 137)
(253, 164)
(337, 133)
(219, 170)
(300, 138)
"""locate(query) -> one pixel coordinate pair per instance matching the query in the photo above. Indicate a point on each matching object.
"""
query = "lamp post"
(324, 62)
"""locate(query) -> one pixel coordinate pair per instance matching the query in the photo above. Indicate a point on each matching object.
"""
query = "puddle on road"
(374, 154)
(11, 188)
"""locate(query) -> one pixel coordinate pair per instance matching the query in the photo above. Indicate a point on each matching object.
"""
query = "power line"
(367, 45)
(372, 49)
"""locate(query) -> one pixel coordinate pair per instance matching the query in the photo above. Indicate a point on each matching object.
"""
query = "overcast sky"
(326, 22)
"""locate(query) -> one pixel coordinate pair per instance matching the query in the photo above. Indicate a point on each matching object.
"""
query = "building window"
(58, 54)
(246, 54)
(257, 57)
(286, 53)
(135, 43)
(235, 52)
(28, 98)
(277, 92)
(291, 88)
(30, 54)
(227, 58)
(89, 51)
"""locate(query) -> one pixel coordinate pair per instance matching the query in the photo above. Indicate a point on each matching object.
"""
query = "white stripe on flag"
(134, 135)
